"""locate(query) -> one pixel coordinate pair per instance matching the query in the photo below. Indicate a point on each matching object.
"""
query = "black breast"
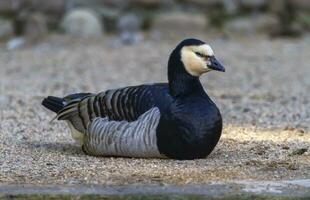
(189, 129)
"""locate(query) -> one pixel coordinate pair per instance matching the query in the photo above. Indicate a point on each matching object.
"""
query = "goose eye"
(199, 54)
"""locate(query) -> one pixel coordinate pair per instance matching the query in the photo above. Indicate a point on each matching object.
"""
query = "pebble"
(299, 151)
(129, 27)
(15, 43)
(82, 23)
(6, 28)
(4, 102)
(129, 23)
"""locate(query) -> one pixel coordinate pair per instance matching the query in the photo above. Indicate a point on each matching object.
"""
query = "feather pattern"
(119, 104)
(122, 138)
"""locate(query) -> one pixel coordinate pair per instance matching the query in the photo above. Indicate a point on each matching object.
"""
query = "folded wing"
(124, 104)
(122, 138)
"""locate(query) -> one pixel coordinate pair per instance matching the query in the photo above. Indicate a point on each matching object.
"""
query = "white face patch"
(194, 64)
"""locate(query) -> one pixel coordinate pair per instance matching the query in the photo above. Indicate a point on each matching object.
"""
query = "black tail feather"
(54, 104)
(75, 96)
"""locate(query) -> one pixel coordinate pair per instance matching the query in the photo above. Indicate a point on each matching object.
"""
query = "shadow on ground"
(64, 148)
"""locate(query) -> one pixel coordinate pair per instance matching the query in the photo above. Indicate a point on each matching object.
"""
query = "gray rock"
(73, 4)
(155, 35)
(82, 23)
(231, 6)
(35, 27)
(173, 22)
(6, 6)
(127, 38)
(49, 7)
(4, 102)
(129, 23)
(249, 25)
(98, 4)
(199, 3)
(119, 4)
(301, 4)
(254, 4)
(129, 26)
(277, 6)
(10, 6)
(131, 37)
(15, 43)
(304, 19)
(148, 3)
(6, 29)
(286, 13)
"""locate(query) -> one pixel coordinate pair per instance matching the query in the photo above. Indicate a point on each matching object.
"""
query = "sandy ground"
(263, 96)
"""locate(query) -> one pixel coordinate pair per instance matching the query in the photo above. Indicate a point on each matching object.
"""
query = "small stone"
(50, 7)
(171, 23)
(287, 25)
(230, 6)
(35, 26)
(285, 147)
(292, 166)
(155, 35)
(300, 134)
(6, 29)
(302, 4)
(299, 151)
(4, 102)
(246, 110)
(289, 128)
(72, 181)
(250, 25)
(301, 131)
(129, 23)
(261, 152)
(98, 4)
(82, 23)
(129, 26)
(130, 38)
(148, 3)
(8, 7)
(15, 43)
(199, 3)
(120, 4)
(49, 164)
(253, 4)
(304, 19)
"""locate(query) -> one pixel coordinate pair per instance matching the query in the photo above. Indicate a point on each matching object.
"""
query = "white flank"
(122, 138)
(76, 135)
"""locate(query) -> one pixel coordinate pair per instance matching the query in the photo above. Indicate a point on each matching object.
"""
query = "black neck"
(181, 83)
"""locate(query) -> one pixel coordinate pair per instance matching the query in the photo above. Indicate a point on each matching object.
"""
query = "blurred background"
(65, 46)
(31, 20)
(58, 47)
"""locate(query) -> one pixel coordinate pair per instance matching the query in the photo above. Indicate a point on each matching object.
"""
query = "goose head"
(188, 61)
(197, 57)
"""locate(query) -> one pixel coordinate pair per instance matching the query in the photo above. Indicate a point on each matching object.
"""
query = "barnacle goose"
(174, 120)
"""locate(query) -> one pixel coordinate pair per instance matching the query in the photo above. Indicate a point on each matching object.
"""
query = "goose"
(175, 120)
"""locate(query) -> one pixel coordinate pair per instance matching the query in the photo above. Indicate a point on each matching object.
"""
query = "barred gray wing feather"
(122, 138)
(120, 104)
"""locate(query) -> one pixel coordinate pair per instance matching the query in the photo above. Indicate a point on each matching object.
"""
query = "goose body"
(169, 120)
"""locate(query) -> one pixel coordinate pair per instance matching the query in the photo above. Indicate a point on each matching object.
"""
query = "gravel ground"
(264, 98)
